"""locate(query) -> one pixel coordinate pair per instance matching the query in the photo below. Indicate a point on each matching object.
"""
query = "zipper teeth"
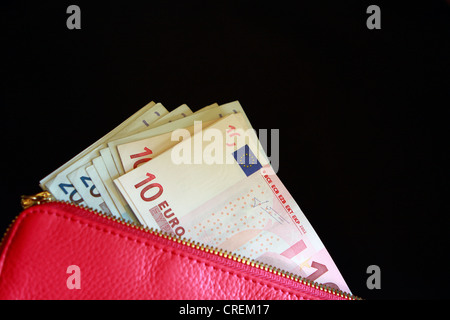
(210, 249)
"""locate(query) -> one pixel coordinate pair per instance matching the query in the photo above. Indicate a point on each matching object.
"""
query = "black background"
(363, 114)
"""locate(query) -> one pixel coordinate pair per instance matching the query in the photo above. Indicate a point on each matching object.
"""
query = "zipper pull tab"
(39, 198)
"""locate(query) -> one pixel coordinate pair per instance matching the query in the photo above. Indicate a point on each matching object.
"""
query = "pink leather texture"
(120, 262)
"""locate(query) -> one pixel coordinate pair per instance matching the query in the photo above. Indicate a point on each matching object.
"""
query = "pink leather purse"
(63, 251)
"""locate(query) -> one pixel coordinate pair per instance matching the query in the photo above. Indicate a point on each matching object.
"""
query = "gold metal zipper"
(45, 197)
(38, 198)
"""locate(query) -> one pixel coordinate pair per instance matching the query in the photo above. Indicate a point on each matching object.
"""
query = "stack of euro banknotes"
(202, 176)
